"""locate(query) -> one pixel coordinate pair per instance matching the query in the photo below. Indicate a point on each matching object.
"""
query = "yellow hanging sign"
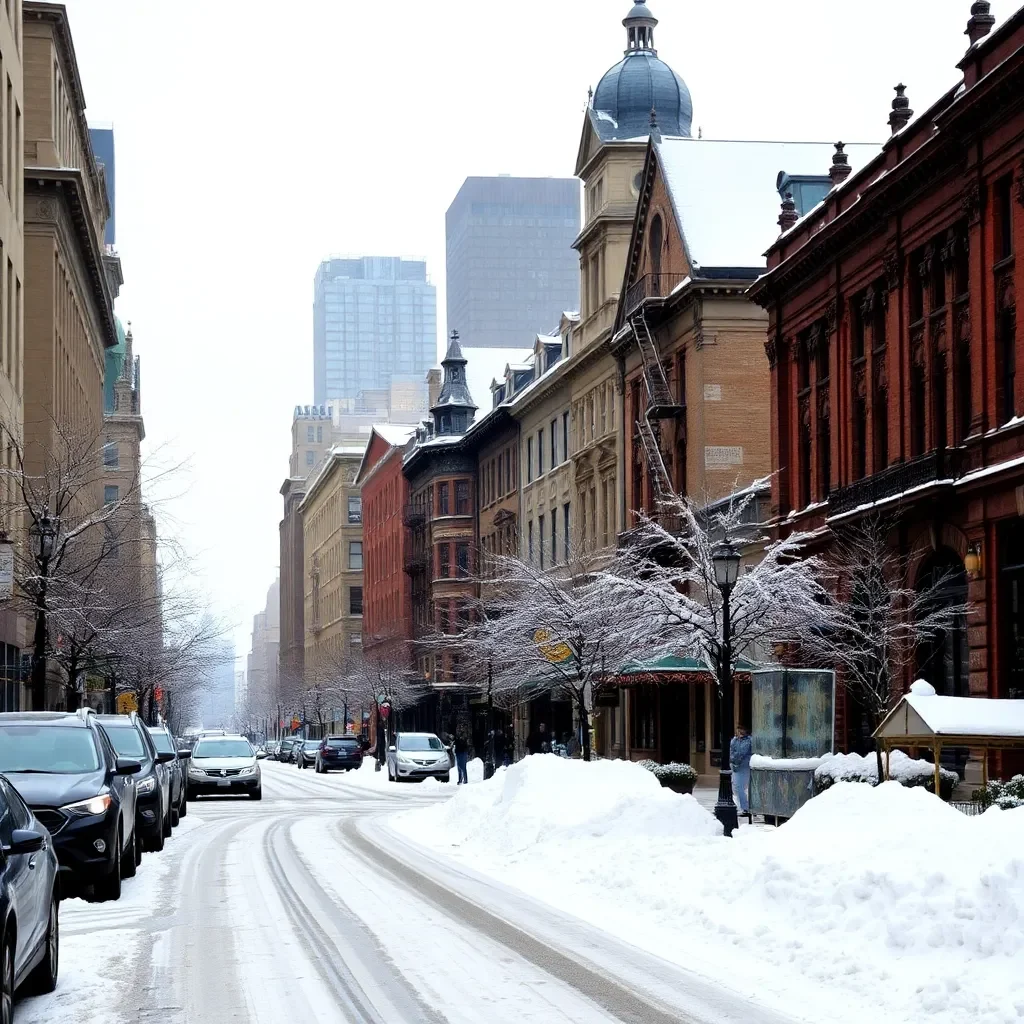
(556, 652)
(126, 704)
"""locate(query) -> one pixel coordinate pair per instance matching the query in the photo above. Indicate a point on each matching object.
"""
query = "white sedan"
(415, 756)
(223, 765)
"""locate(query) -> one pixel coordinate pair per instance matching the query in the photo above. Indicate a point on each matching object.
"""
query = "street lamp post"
(727, 567)
(45, 533)
(489, 764)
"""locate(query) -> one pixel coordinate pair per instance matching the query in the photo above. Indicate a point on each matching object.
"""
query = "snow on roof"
(484, 365)
(725, 196)
(396, 434)
(926, 714)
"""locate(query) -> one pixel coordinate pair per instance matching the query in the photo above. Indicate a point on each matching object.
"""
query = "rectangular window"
(565, 435)
(916, 286)
(309, 435)
(319, 435)
(355, 509)
(857, 316)
(111, 458)
(917, 398)
(540, 537)
(442, 499)
(529, 459)
(355, 600)
(529, 541)
(462, 497)
(540, 452)
(444, 564)
(508, 470)
(565, 531)
(1003, 195)
(355, 554)
(554, 443)
(462, 559)
(110, 494)
(310, 457)
(554, 537)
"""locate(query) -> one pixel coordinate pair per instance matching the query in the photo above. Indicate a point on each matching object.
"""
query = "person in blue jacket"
(740, 749)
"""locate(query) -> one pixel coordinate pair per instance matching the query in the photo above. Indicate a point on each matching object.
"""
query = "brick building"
(387, 589)
(893, 344)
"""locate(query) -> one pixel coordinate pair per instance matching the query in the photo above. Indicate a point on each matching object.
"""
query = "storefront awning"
(671, 668)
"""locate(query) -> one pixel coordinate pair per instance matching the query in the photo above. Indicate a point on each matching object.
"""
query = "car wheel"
(137, 843)
(156, 844)
(109, 887)
(168, 824)
(7, 980)
(130, 858)
(44, 978)
(256, 794)
(175, 816)
(183, 807)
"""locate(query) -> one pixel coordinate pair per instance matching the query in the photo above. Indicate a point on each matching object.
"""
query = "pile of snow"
(856, 768)
(545, 800)
(871, 903)
(786, 764)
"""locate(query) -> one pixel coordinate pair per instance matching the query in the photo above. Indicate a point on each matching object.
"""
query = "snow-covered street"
(307, 906)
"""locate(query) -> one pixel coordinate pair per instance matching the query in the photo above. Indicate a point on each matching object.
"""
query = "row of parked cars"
(342, 753)
(82, 796)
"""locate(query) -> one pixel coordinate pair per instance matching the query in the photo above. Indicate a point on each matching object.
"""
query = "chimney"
(840, 169)
(981, 21)
(901, 112)
(789, 216)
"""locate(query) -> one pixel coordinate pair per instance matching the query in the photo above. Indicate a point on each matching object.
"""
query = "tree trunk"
(584, 716)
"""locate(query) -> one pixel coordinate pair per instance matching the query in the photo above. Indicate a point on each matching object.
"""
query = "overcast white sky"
(256, 137)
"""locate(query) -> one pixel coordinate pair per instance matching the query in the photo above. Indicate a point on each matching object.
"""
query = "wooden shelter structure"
(924, 719)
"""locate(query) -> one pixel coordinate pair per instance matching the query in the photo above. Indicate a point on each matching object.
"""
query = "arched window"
(655, 241)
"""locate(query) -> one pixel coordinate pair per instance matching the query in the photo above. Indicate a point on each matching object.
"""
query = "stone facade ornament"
(771, 351)
(901, 112)
(970, 202)
(891, 262)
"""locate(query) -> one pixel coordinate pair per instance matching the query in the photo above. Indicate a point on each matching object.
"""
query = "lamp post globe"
(727, 565)
(727, 570)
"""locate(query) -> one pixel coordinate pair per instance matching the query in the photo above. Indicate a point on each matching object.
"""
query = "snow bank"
(858, 768)
(785, 764)
(871, 903)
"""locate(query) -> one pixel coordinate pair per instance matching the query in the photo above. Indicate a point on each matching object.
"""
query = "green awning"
(671, 664)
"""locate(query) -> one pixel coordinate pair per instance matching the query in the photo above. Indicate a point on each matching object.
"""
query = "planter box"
(679, 785)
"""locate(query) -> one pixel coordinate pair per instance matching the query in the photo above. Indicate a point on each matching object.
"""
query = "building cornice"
(332, 463)
(51, 185)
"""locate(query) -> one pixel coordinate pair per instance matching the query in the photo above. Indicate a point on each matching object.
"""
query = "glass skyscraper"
(374, 318)
(511, 268)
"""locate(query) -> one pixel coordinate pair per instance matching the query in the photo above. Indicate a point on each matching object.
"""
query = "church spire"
(640, 23)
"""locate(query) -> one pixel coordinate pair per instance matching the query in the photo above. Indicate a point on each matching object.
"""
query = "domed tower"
(639, 84)
(641, 94)
(455, 409)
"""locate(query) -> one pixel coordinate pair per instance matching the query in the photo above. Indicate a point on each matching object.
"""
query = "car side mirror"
(24, 840)
(128, 766)
(165, 758)
(392, 749)
(260, 754)
(184, 754)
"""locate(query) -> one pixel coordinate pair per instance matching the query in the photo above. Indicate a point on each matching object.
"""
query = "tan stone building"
(68, 302)
(332, 541)
(12, 277)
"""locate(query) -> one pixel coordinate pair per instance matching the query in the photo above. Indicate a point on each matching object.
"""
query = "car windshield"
(222, 748)
(344, 744)
(419, 743)
(126, 740)
(311, 744)
(41, 748)
(162, 742)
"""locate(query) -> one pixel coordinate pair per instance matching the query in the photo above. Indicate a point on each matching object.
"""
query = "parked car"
(130, 738)
(272, 747)
(70, 775)
(339, 752)
(287, 747)
(29, 928)
(224, 765)
(415, 756)
(305, 753)
(177, 769)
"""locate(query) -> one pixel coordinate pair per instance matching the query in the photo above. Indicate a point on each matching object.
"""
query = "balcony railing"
(414, 516)
(651, 286)
(933, 468)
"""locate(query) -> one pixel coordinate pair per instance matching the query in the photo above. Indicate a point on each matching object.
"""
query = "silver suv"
(224, 765)
(415, 756)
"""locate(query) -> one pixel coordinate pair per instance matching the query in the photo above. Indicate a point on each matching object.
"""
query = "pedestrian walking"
(539, 742)
(462, 758)
(740, 749)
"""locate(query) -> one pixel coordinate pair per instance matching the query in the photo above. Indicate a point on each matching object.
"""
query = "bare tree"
(877, 621)
(559, 631)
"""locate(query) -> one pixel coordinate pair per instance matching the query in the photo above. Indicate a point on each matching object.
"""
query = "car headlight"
(146, 786)
(251, 770)
(94, 805)
(196, 773)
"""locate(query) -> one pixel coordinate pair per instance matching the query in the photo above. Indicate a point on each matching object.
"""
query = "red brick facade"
(895, 351)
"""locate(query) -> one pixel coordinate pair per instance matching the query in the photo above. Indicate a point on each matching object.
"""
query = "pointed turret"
(455, 408)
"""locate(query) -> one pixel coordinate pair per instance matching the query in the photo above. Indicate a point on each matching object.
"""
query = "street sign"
(126, 704)
(556, 652)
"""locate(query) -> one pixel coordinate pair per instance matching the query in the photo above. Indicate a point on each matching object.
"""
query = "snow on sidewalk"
(871, 901)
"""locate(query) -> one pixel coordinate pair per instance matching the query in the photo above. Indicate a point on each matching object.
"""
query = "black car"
(69, 774)
(177, 769)
(130, 738)
(29, 930)
(339, 752)
(286, 749)
(305, 753)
